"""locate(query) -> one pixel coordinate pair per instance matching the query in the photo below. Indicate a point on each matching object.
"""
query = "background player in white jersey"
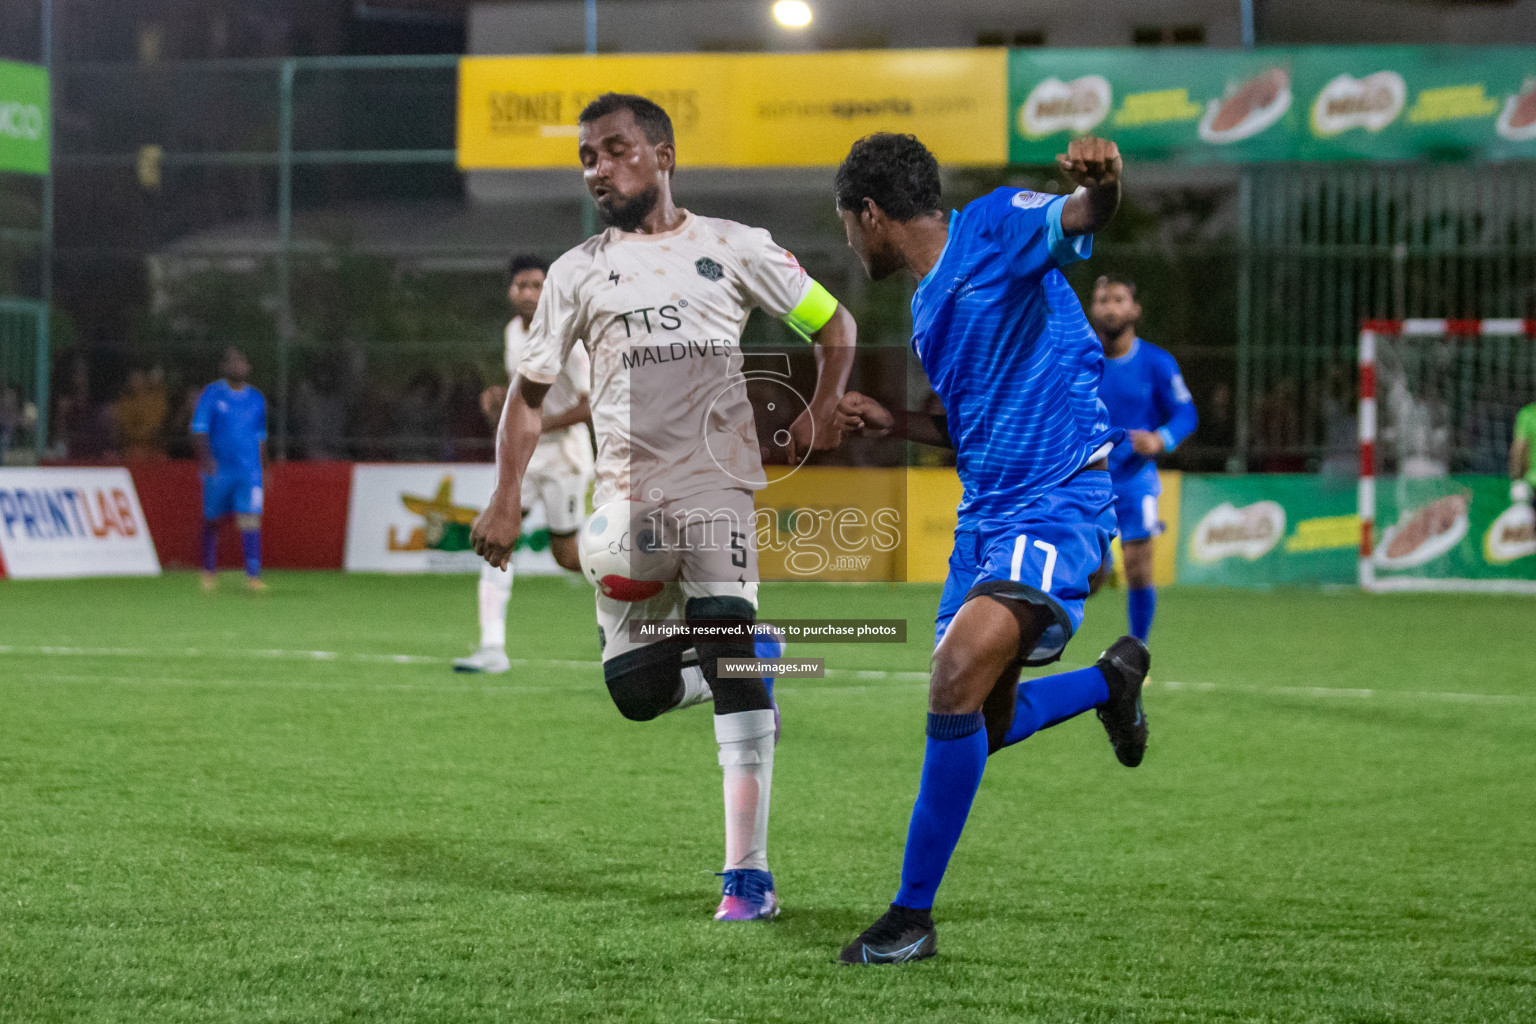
(661, 299)
(560, 471)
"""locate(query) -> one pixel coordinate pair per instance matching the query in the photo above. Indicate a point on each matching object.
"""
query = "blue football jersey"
(1009, 352)
(236, 424)
(1143, 390)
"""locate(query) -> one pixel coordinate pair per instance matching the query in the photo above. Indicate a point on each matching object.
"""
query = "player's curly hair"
(649, 115)
(526, 261)
(896, 171)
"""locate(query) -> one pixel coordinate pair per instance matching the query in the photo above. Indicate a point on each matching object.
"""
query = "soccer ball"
(621, 553)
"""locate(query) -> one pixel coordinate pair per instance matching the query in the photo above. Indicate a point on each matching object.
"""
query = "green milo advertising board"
(1283, 103)
(1267, 530)
(24, 118)
(1272, 530)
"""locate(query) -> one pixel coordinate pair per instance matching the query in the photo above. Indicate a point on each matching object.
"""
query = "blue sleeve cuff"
(1169, 441)
(1065, 251)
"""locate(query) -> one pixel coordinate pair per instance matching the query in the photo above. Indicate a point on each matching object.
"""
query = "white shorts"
(717, 548)
(561, 487)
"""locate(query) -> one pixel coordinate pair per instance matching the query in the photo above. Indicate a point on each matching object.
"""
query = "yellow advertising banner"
(932, 497)
(805, 110)
(892, 524)
(741, 110)
(829, 524)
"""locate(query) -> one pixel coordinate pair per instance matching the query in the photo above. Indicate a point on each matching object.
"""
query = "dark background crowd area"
(111, 412)
(109, 407)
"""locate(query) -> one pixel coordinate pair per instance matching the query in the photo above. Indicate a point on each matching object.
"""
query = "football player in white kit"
(560, 471)
(660, 300)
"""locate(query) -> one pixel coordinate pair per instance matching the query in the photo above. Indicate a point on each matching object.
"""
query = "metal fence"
(310, 209)
(181, 182)
(1329, 246)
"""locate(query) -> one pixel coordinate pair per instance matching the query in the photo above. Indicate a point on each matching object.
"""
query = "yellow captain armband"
(813, 312)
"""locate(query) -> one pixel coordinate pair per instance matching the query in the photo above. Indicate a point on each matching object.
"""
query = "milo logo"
(1512, 535)
(1057, 106)
(1372, 103)
(1249, 532)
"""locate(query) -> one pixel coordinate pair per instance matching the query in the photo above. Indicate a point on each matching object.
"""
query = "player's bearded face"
(624, 170)
(627, 212)
(1113, 309)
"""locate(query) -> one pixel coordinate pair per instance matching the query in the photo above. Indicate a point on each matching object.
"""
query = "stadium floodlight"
(792, 13)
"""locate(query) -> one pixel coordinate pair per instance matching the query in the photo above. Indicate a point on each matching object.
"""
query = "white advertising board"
(66, 522)
(416, 517)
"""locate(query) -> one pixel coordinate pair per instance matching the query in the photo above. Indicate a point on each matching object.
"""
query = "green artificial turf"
(238, 807)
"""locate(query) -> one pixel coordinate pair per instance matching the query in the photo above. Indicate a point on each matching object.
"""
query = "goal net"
(1438, 400)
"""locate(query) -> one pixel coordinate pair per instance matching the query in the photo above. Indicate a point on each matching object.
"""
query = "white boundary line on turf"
(296, 684)
(1346, 692)
(270, 655)
(198, 652)
(919, 679)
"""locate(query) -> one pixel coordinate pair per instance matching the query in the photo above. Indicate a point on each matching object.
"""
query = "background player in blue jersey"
(1146, 396)
(229, 433)
(1008, 351)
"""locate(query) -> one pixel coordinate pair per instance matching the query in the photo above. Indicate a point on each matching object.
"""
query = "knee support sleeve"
(731, 695)
(645, 682)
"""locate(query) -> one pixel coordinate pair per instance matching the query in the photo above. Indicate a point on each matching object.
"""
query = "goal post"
(1437, 405)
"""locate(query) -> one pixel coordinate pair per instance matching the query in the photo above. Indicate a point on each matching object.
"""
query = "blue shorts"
(239, 493)
(1136, 506)
(1044, 554)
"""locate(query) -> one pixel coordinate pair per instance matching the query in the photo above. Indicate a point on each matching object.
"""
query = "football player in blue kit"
(229, 434)
(1147, 398)
(1006, 346)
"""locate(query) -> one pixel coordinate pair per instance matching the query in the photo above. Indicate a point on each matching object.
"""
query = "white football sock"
(695, 687)
(495, 593)
(746, 755)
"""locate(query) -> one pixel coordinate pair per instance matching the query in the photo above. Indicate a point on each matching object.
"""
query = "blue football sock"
(1140, 605)
(210, 545)
(952, 767)
(1045, 701)
(767, 646)
(250, 544)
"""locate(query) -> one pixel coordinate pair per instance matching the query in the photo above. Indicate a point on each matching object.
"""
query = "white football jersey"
(662, 316)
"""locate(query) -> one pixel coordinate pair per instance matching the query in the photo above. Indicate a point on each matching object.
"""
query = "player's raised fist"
(862, 416)
(1091, 162)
